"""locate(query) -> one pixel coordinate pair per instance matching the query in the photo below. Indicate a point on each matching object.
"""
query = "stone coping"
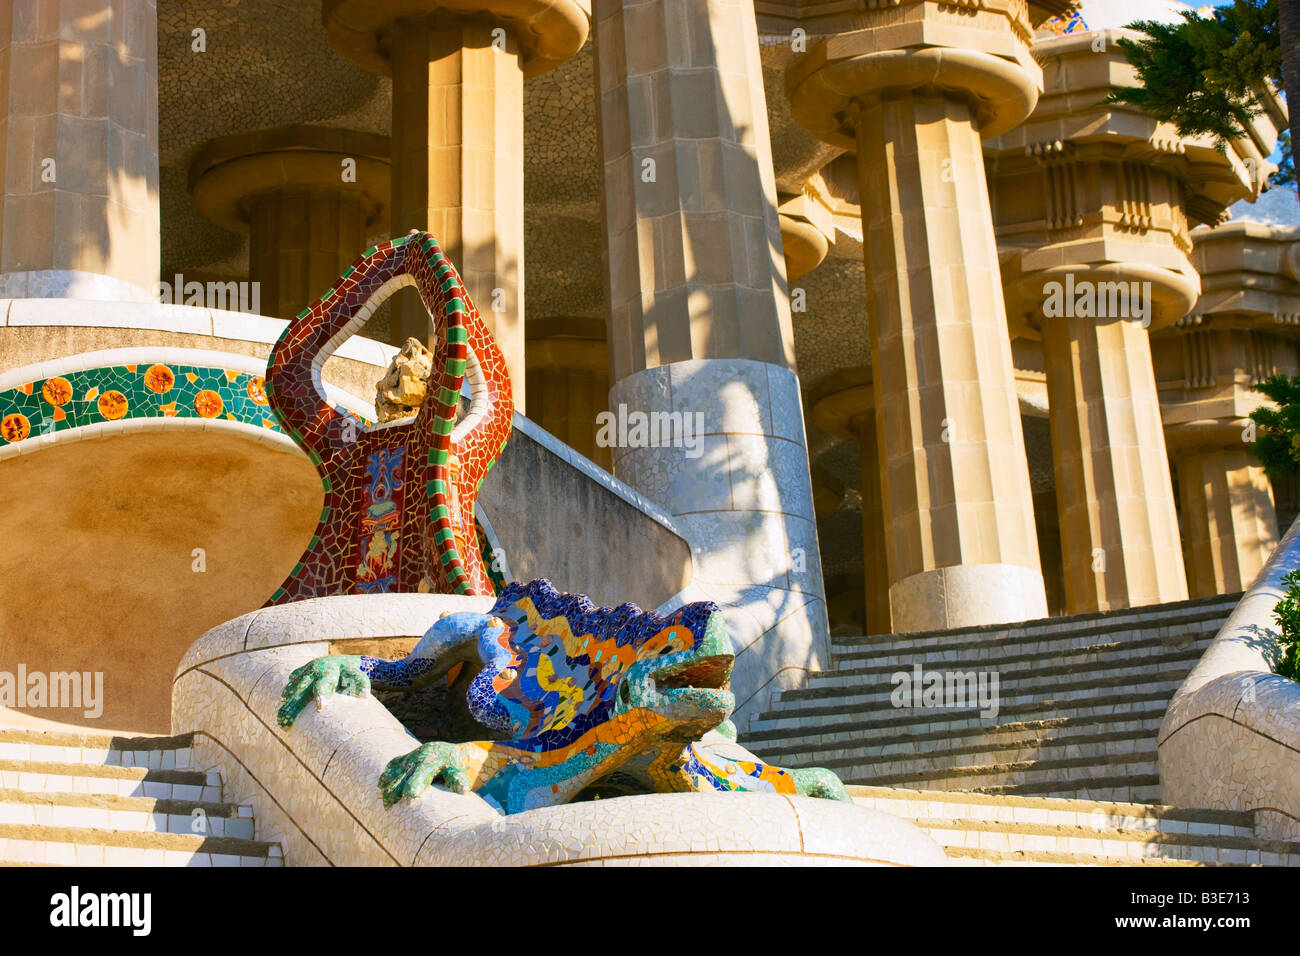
(187, 319)
(314, 786)
(1231, 736)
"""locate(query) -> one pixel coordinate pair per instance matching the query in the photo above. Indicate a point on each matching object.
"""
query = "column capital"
(548, 32)
(1072, 121)
(1040, 288)
(981, 55)
(839, 401)
(230, 172)
(807, 228)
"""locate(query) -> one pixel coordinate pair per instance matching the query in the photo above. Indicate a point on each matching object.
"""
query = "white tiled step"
(41, 777)
(74, 846)
(136, 814)
(154, 753)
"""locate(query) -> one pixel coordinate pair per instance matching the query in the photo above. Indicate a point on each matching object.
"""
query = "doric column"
(568, 371)
(1093, 204)
(914, 92)
(699, 321)
(1242, 330)
(843, 404)
(458, 69)
(308, 197)
(79, 147)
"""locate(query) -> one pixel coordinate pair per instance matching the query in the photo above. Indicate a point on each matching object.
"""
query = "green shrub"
(1277, 444)
(1287, 614)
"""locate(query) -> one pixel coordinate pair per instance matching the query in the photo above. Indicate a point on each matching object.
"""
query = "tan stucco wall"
(86, 524)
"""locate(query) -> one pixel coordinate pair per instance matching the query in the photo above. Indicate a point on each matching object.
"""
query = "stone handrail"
(1231, 736)
(314, 786)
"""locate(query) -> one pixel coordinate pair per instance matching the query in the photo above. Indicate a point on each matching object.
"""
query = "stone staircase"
(1065, 774)
(1080, 703)
(68, 798)
(984, 830)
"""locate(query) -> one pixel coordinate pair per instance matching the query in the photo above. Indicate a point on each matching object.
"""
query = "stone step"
(868, 684)
(874, 724)
(1157, 616)
(83, 846)
(1001, 739)
(1097, 814)
(155, 753)
(978, 829)
(1097, 776)
(1085, 654)
(970, 856)
(43, 777)
(806, 715)
(138, 814)
(1131, 786)
(1112, 843)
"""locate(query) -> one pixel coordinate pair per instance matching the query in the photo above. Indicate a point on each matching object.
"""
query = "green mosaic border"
(178, 401)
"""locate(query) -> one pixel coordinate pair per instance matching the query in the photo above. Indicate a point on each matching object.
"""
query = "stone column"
(308, 197)
(843, 404)
(79, 146)
(699, 321)
(1094, 204)
(1242, 330)
(458, 69)
(1119, 530)
(914, 92)
(568, 369)
(1229, 525)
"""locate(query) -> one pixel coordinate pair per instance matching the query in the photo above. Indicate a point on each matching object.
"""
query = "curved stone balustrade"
(1231, 737)
(315, 785)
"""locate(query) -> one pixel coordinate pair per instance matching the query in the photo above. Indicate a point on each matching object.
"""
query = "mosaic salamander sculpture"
(580, 690)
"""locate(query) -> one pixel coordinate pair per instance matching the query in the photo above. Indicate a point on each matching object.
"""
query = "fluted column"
(699, 323)
(914, 92)
(1119, 529)
(79, 148)
(458, 70)
(307, 197)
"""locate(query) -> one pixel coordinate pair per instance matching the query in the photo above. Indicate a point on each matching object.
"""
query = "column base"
(967, 595)
(70, 284)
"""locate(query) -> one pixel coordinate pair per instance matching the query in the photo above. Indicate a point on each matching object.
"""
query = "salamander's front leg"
(346, 674)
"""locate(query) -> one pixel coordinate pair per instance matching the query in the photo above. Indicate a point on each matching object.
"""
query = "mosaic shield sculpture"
(580, 691)
(399, 498)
